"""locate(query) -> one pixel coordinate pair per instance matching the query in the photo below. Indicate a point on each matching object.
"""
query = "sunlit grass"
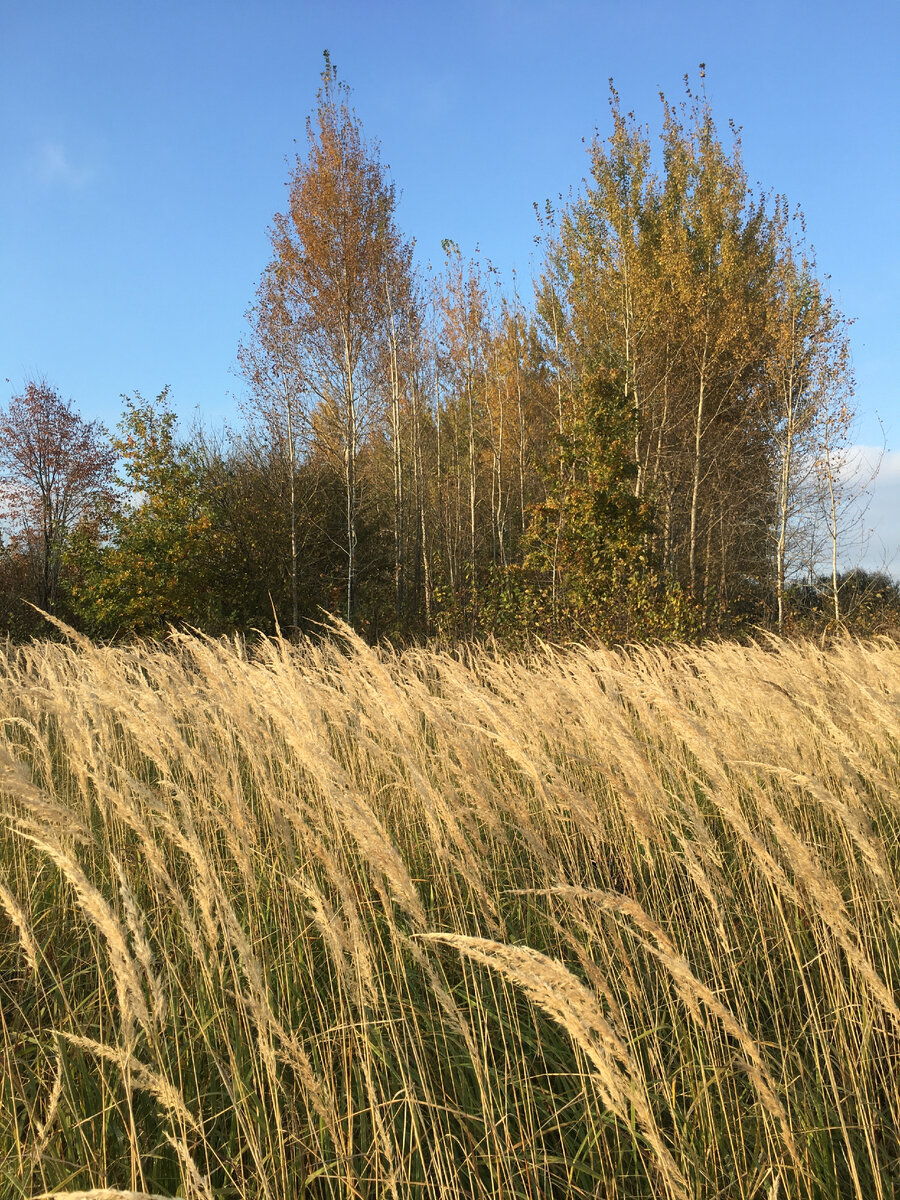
(333, 922)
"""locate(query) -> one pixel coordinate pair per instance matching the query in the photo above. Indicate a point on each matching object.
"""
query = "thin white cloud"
(54, 166)
(877, 541)
(889, 471)
(869, 482)
(862, 463)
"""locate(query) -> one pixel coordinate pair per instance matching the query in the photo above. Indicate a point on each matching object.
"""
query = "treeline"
(653, 446)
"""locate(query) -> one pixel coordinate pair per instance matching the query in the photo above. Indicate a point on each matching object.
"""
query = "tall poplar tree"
(656, 305)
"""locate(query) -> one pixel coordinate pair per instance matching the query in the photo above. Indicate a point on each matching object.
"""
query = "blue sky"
(143, 152)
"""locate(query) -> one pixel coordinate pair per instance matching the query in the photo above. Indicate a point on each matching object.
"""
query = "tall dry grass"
(332, 922)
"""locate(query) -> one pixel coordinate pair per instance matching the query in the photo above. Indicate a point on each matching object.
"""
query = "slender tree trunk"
(501, 504)
(470, 406)
(784, 484)
(292, 468)
(554, 586)
(48, 597)
(723, 566)
(520, 413)
(707, 558)
(833, 534)
(695, 482)
(419, 477)
(668, 521)
(399, 583)
(498, 553)
(559, 395)
(631, 389)
(657, 471)
(352, 437)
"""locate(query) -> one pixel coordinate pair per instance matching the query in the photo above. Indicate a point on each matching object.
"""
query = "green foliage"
(154, 566)
(870, 601)
(17, 618)
(586, 547)
(869, 604)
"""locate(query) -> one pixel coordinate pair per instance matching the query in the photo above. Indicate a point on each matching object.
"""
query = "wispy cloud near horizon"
(875, 472)
(861, 464)
(53, 165)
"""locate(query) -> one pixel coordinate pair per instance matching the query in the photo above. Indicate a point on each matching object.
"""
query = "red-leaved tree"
(56, 472)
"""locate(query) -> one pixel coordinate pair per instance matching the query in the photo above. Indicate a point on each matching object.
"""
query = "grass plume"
(325, 921)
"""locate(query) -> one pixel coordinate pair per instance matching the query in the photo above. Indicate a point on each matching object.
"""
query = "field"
(325, 921)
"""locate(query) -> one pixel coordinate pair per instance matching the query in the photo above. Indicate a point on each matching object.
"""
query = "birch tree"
(808, 364)
(327, 301)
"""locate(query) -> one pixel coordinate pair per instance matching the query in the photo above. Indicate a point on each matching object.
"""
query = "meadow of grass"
(326, 921)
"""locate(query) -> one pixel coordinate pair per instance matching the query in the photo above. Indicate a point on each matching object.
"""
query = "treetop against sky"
(144, 156)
